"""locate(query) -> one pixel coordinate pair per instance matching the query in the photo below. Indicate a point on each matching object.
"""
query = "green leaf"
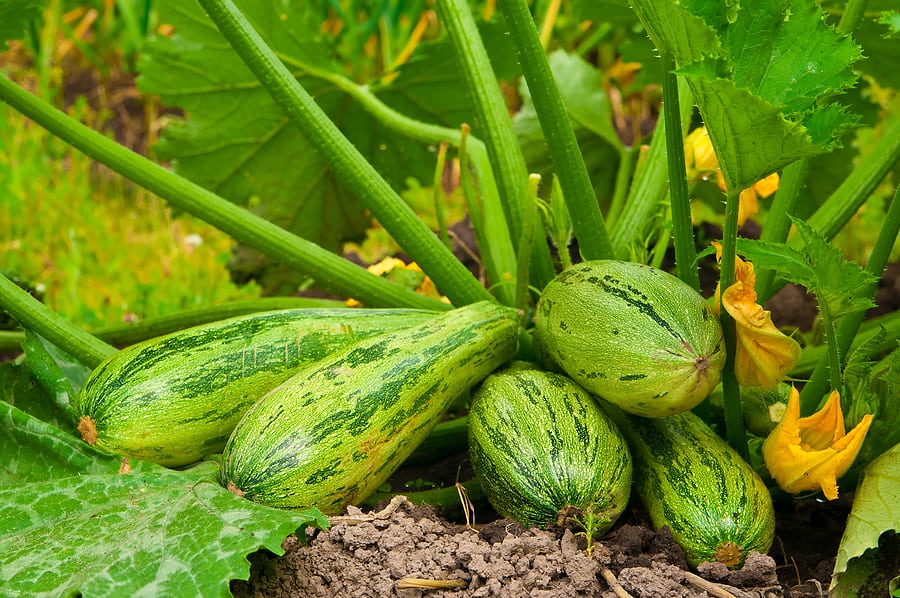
(878, 38)
(876, 511)
(843, 284)
(15, 15)
(680, 32)
(765, 98)
(20, 388)
(148, 531)
(892, 20)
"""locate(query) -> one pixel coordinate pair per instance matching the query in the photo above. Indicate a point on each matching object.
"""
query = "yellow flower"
(811, 453)
(763, 355)
(386, 268)
(702, 163)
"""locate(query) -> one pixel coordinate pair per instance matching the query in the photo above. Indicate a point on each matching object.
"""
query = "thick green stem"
(494, 128)
(731, 391)
(682, 226)
(627, 160)
(854, 11)
(36, 316)
(127, 334)
(448, 273)
(649, 186)
(778, 222)
(848, 329)
(590, 229)
(331, 272)
(487, 215)
(856, 188)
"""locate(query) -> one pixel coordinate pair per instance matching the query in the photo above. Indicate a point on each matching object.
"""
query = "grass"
(102, 251)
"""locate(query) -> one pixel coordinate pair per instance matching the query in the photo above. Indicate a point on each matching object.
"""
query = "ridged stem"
(778, 222)
(731, 390)
(127, 334)
(331, 272)
(847, 330)
(494, 128)
(36, 316)
(590, 228)
(420, 243)
(487, 215)
(682, 226)
(648, 188)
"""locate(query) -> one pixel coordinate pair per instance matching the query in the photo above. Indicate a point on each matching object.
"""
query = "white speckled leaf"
(74, 525)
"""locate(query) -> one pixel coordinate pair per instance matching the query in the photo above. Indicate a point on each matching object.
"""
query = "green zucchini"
(174, 399)
(634, 335)
(543, 449)
(335, 431)
(692, 481)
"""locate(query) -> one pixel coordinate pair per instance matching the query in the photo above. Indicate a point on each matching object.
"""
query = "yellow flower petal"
(811, 453)
(767, 186)
(699, 155)
(748, 205)
(763, 355)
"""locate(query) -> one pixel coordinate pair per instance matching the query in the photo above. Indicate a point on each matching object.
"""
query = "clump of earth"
(407, 550)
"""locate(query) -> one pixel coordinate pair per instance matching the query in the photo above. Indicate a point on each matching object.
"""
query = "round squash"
(634, 335)
(543, 449)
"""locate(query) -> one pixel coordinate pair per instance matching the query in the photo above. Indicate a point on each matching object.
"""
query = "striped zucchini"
(543, 449)
(334, 432)
(634, 335)
(174, 399)
(692, 481)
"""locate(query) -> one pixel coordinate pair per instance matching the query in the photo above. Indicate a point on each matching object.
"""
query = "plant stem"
(127, 334)
(36, 316)
(649, 186)
(848, 329)
(627, 160)
(495, 128)
(731, 390)
(525, 245)
(590, 229)
(682, 227)
(448, 273)
(331, 272)
(813, 358)
(437, 191)
(854, 11)
(778, 222)
(846, 200)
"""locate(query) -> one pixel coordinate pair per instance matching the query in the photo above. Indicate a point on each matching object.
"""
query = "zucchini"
(335, 431)
(634, 335)
(174, 399)
(543, 449)
(692, 481)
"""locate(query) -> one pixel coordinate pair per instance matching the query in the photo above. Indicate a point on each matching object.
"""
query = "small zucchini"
(543, 449)
(174, 399)
(335, 431)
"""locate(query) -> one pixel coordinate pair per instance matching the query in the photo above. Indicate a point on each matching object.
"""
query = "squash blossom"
(764, 355)
(811, 453)
(702, 163)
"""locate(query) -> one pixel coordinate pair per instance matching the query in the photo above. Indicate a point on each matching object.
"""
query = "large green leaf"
(876, 511)
(73, 521)
(764, 85)
(15, 15)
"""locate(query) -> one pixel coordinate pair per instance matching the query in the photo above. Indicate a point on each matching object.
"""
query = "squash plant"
(770, 81)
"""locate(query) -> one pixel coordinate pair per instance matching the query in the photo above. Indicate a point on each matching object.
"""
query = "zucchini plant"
(552, 186)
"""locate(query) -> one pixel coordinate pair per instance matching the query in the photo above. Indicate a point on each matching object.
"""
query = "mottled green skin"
(634, 335)
(334, 432)
(539, 443)
(691, 480)
(174, 399)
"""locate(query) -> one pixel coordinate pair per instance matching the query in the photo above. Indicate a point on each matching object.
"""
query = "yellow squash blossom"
(811, 453)
(702, 163)
(764, 355)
